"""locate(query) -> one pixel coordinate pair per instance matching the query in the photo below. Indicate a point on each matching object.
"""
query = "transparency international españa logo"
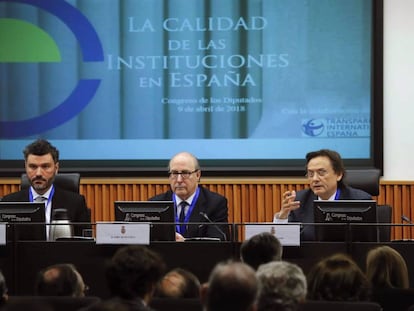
(338, 127)
(24, 42)
(313, 127)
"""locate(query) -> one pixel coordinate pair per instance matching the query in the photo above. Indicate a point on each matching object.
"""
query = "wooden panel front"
(250, 199)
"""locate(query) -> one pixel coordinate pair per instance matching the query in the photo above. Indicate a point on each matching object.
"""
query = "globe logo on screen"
(35, 45)
(313, 127)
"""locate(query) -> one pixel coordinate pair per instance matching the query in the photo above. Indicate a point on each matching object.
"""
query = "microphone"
(405, 218)
(204, 215)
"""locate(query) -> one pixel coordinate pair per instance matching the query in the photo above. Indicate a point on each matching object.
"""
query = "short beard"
(39, 187)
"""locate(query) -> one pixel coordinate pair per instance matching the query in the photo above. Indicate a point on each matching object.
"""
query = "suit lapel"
(198, 207)
(307, 213)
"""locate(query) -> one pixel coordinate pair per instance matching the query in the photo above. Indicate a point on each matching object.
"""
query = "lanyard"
(52, 191)
(338, 193)
(188, 214)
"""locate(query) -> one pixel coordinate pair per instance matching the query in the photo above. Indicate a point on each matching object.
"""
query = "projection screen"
(248, 86)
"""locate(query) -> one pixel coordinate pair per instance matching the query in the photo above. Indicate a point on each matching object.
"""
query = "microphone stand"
(406, 219)
(204, 215)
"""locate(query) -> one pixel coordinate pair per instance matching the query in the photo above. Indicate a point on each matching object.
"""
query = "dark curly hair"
(41, 147)
(133, 271)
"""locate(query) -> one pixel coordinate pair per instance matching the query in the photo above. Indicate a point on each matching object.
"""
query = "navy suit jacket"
(73, 202)
(213, 205)
(305, 214)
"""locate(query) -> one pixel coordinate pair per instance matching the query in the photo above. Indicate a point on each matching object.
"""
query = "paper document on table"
(2, 233)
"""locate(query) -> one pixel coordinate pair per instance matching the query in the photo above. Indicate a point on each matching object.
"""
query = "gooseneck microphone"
(204, 215)
(406, 219)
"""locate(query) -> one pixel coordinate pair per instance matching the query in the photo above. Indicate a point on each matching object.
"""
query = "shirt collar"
(45, 195)
(332, 197)
(189, 200)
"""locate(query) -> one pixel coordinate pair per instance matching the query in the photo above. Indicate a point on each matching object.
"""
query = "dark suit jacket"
(215, 207)
(305, 214)
(73, 202)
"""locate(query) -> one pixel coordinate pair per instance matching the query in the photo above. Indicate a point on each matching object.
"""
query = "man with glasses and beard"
(193, 203)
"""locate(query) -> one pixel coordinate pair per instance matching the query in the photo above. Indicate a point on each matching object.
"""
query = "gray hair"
(281, 284)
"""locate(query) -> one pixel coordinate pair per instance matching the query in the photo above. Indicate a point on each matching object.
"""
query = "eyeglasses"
(321, 173)
(184, 174)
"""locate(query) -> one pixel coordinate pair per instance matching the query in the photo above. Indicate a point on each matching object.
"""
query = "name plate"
(3, 234)
(288, 235)
(123, 233)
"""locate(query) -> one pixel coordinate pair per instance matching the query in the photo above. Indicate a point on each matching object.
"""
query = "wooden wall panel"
(251, 199)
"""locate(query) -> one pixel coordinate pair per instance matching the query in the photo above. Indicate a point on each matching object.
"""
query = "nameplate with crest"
(123, 233)
(288, 234)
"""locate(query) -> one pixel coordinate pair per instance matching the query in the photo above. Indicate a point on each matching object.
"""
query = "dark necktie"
(181, 219)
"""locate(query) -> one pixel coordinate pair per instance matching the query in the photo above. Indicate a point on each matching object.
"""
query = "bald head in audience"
(179, 283)
(60, 280)
(231, 286)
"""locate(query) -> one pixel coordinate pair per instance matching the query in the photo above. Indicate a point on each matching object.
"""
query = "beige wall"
(398, 89)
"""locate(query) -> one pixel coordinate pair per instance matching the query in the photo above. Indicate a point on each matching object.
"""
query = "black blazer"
(213, 205)
(305, 214)
(73, 202)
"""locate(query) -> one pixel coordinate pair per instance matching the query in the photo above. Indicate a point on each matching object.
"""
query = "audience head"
(179, 283)
(3, 289)
(134, 272)
(386, 268)
(325, 171)
(261, 248)
(231, 286)
(282, 286)
(184, 174)
(60, 280)
(339, 278)
(41, 164)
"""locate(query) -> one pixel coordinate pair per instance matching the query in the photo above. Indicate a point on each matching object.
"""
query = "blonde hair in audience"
(386, 268)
